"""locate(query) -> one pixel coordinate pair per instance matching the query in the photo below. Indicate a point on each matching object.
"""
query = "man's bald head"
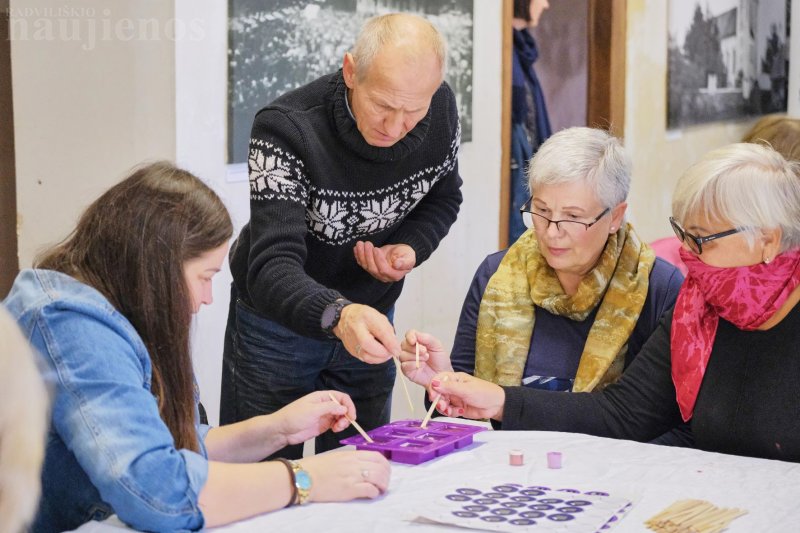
(408, 37)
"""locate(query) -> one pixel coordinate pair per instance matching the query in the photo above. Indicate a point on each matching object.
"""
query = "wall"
(432, 298)
(660, 156)
(8, 195)
(794, 59)
(93, 95)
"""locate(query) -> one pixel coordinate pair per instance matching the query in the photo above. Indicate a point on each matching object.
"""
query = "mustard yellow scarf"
(618, 282)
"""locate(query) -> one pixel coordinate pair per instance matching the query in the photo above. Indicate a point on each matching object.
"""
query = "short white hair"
(412, 34)
(584, 155)
(24, 420)
(749, 186)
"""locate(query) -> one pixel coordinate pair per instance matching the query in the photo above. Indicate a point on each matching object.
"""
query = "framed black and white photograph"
(279, 45)
(727, 59)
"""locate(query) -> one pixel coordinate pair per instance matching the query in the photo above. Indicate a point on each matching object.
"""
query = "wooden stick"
(403, 381)
(430, 411)
(355, 424)
(417, 345)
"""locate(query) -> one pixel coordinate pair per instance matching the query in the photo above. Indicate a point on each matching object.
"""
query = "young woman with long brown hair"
(110, 310)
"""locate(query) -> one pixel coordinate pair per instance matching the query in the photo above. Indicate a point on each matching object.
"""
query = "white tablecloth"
(653, 477)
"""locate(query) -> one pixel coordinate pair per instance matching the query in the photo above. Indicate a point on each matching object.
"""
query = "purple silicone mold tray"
(405, 441)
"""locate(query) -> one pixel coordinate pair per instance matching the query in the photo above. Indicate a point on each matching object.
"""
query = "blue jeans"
(267, 366)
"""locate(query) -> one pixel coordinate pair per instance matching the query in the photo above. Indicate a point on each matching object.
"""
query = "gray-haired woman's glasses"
(694, 242)
(542, 222)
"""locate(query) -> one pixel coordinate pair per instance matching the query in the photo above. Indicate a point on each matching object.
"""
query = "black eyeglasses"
(570, 226)
(694, 242)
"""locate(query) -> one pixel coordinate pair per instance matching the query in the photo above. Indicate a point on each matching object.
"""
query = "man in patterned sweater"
(353, 182)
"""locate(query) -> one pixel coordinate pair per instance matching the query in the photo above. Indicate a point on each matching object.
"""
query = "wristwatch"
(331, 315)
(302, 482)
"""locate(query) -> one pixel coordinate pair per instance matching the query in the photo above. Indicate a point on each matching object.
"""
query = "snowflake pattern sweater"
(317, 187)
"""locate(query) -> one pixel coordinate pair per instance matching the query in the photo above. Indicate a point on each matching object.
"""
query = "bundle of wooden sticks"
(693, 516)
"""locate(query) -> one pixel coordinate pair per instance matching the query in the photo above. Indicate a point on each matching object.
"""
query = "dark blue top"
(557, 342)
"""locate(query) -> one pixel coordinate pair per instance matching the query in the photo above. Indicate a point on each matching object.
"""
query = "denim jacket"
(108, 451)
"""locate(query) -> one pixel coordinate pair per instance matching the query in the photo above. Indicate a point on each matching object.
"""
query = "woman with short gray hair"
(569, 305)
(721, 186)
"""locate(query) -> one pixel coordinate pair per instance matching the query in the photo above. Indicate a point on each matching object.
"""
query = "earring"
(767, 260)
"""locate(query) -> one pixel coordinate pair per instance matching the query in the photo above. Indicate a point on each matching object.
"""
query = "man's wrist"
(331, 316)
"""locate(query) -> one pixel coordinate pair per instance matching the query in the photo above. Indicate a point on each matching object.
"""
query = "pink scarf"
(744, 296)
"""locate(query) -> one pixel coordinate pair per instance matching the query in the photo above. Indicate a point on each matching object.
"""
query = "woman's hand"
(347, 475)
(313, 414)
(432, 357)
(467, 396)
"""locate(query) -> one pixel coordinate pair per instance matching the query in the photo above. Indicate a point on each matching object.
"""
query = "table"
(652, 476)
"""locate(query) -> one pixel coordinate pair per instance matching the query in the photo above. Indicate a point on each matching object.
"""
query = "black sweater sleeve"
(640, 406)
(277, 282)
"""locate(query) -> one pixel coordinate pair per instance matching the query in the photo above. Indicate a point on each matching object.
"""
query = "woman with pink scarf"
(727, 359)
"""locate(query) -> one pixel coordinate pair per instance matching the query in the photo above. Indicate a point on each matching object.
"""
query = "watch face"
(303, 480)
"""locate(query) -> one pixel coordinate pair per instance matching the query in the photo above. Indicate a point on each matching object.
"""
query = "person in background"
(726, 358)
(110, 308)
(571, 303)
(530, 123)
(23, 428)
(780, 132)
(353, 182)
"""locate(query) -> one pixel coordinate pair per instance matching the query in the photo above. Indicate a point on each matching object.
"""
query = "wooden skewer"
(430, 411)
(403, 381)
(693, 516)
(355, 424)
(417, 345)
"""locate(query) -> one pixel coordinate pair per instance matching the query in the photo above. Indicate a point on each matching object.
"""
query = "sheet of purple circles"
(512, 505)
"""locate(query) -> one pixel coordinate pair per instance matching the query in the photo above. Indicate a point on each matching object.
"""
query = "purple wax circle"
(578, 502)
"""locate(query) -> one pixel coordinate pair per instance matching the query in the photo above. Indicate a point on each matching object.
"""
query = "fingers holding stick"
(355, 424)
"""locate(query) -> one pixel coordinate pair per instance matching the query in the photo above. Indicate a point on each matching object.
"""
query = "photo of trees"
(727, 59)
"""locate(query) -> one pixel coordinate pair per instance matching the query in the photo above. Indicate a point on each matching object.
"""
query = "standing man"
(353, 182)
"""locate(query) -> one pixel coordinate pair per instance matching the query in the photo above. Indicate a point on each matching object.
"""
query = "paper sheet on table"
(515, 507)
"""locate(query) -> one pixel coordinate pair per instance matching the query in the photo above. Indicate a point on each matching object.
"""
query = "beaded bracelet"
(288, 466)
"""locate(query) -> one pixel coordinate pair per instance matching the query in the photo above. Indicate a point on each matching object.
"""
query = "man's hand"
(388, 263)
(367, 334)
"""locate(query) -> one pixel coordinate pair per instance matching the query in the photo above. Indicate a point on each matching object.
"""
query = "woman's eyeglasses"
(541, 222)
(694, 242)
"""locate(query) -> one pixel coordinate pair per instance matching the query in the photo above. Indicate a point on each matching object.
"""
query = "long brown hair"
(131, 245)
